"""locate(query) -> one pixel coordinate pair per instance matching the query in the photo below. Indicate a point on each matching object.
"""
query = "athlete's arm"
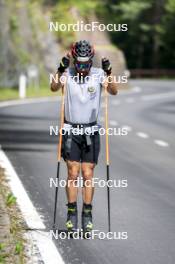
(111, 85)
(56, 83)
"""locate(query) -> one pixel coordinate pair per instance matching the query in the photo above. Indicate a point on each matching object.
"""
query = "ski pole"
(107, 155)
(59, 152)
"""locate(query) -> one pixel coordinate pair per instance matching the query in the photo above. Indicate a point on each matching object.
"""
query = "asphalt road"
(145, 158)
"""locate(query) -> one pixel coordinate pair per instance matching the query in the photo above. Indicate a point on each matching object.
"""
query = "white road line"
(29, 101)
(115, 102)
(30, 214)
(136, 89)
(158, 96)
(142, 135)
(48, 250)
(161, 143)
(130, 100)
(128, 128)
(113, 123)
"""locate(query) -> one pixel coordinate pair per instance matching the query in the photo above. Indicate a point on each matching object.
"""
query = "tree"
(149, 42)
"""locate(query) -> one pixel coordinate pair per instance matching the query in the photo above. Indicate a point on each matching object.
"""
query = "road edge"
(18, 102)
(37, 230)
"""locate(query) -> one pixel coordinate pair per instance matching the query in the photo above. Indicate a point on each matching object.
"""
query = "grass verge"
(12, 242)
(11, 93)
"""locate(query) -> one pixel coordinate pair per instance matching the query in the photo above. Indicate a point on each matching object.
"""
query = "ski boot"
(72, 217)
(87, 224)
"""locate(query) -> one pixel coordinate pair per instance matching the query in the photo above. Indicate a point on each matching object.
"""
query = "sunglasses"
(82, 66)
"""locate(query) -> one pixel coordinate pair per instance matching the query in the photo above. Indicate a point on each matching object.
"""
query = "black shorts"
(78, 150)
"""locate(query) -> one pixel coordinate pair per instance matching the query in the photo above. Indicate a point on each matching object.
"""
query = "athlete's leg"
(87, 174)
(71, 190)
(73, 168)
(88, 191)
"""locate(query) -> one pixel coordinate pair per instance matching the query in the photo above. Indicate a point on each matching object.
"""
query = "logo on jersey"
(91, 90)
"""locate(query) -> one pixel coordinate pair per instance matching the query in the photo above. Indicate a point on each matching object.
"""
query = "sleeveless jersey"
(82, 99)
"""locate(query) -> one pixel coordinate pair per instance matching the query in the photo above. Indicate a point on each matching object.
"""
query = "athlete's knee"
(73, 170)
(87, 174)
(73, 173)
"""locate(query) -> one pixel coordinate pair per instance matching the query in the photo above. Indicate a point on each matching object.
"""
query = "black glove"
(64, 64)
(106, 66)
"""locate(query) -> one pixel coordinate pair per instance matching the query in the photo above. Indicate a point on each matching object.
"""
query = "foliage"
(10, 200)
(13, 23)
(18, 247)
(149, 41)
(167, 35)
(62, 13)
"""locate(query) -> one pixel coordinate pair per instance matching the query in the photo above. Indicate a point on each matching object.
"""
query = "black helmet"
(82, 51)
